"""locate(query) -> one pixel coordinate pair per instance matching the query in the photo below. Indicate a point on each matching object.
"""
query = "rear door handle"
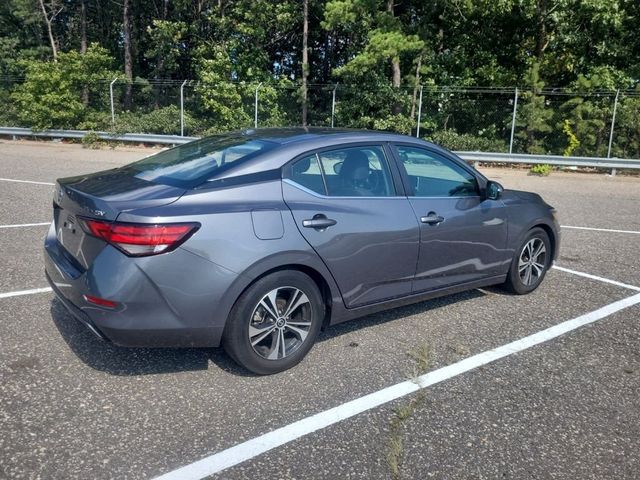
(432, 218)
(319, 222)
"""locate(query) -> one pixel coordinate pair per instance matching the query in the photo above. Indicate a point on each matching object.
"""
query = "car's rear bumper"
(75, 311)
(161, 302)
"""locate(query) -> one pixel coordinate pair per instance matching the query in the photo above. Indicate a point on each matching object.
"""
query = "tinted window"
(432, 175)
(193, 163)
(357, 172)
(306, 172)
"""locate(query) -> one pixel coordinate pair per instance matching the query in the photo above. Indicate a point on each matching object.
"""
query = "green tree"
(51, 95)
(590, 111)
(533, 120)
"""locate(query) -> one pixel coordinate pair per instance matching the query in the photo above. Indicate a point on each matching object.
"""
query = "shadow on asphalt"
(124, 361)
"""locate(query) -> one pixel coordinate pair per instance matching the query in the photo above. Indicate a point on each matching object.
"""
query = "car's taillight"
(139, 239)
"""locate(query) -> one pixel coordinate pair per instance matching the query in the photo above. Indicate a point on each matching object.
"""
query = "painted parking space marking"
(25, 181)
(601, 229)
(25, 225)
(247, 450)
(25, 292)
(595, 277)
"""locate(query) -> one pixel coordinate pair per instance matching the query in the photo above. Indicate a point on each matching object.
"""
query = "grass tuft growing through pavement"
(421, 358)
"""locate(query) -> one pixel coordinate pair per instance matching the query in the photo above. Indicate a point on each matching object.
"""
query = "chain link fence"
(551, 121)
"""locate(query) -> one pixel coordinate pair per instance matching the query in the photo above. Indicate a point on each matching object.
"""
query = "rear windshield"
(193, 163)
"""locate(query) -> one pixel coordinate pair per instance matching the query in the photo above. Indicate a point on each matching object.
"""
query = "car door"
(463, 236)
(345, 204)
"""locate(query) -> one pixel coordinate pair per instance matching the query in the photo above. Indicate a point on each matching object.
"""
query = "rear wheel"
(275, 322)
(530, 263)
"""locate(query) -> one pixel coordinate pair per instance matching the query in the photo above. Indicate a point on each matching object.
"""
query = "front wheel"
(275, 322)
(530, 263)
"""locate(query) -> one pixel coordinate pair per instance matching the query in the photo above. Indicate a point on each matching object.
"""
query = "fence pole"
(513, 120)
(613, 123)
(182, 108)
(333, 104)
(113, 112)
(419, 114)
(255, 108)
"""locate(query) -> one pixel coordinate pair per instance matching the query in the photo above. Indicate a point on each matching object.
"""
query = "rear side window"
(306, 172)
(360, 171)
(193, 163)
(433, 175)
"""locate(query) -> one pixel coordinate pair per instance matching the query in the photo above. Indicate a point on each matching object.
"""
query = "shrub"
(92, 140)
(394, 123)
(163, 121)
(464, 142)
(542, 170)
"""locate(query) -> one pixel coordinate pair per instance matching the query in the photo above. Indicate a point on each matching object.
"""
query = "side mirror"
(493, 190)
(337, 167)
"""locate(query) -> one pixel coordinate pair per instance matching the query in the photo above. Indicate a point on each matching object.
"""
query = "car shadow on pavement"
(109, 358)
(397, 314)
(115, 360)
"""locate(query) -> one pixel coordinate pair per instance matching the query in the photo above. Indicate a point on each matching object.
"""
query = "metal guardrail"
(549, 159)
(609, 163)
(125, 137)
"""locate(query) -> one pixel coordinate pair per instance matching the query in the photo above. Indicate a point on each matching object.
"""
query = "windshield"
(193, 163)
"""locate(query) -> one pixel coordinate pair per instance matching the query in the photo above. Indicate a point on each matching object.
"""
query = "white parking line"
(601, 229)
(256, 446)
(595, 277)
(25, 181)
(25, 225)
(24, 292)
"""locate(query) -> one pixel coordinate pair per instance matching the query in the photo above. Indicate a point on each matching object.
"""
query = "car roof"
(295, 141)
(291, 135)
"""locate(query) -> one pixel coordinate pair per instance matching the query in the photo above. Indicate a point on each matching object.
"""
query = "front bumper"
(169, 300)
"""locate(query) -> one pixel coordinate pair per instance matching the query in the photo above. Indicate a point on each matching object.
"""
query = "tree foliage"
(379, 51)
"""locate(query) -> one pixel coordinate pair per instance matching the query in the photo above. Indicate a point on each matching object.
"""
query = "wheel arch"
(551, 234)
(540, 222)
(305, 263)
(315, 275)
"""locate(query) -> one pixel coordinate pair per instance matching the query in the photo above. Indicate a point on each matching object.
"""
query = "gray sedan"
(256, 240)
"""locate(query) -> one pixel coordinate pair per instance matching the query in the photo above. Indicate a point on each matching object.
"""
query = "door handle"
(319, 222)
(432, 218)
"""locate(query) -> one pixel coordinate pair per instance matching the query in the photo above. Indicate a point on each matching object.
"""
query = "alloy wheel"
(532, 261)
(280, 323)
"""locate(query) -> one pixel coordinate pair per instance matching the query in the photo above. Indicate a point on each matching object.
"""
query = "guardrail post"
(182, 108)
(113, 112)
(513, 121)
(255, 108)
(613, 123)
(419, 114)
(333, 104)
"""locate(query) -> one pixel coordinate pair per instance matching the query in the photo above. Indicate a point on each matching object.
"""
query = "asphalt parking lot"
(567, 407)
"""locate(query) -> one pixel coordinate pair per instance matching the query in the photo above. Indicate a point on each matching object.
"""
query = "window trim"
(480, 180)
(396, 182)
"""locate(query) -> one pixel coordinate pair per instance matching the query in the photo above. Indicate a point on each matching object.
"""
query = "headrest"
(355, 165)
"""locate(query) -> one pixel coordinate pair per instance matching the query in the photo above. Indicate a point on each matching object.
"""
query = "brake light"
(139, 239)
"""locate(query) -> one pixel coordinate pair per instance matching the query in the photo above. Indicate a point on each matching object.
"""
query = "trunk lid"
(101, 195)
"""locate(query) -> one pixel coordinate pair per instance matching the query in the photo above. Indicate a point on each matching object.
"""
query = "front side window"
(433, 175)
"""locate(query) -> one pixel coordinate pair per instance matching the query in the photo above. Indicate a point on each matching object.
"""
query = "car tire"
(530, 263)
(264, 344)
